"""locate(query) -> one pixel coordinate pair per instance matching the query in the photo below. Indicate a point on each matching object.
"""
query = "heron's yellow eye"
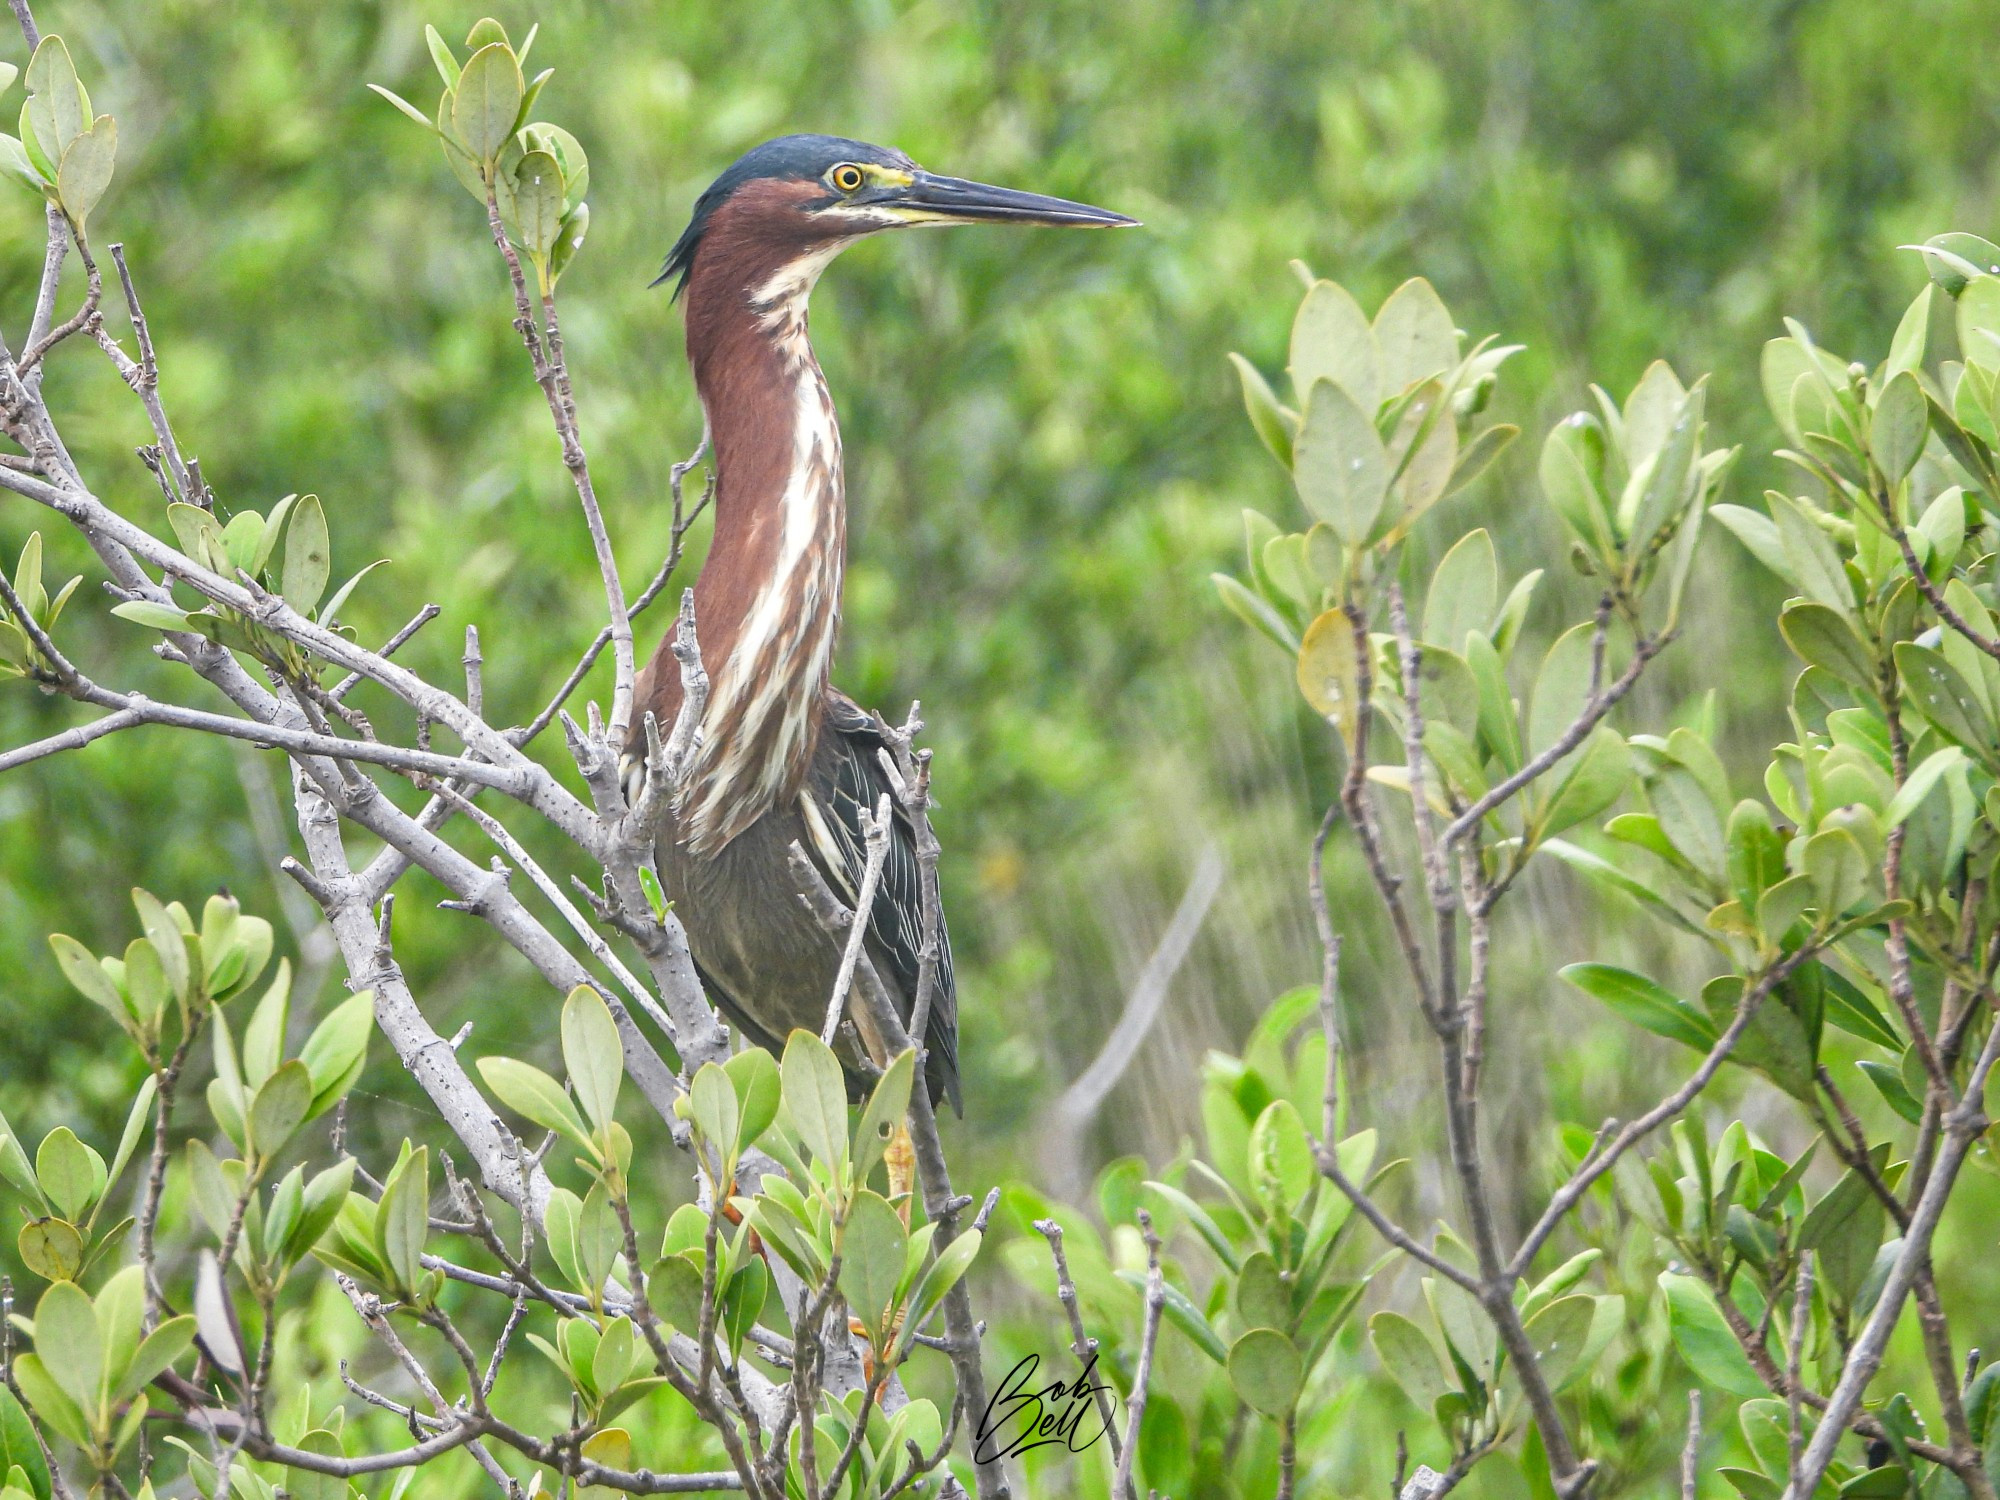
(847, 177)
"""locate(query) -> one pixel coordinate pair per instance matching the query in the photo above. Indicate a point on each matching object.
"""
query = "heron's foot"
(900, 1156)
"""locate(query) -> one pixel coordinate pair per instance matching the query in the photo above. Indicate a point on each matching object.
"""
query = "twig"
(1691, 1449)
(1081, 1344)
(1795, 1351)
(1135, 1404)
(875, 830)
(390, 647)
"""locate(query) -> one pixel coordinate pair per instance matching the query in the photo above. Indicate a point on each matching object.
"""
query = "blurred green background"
(1046, 450)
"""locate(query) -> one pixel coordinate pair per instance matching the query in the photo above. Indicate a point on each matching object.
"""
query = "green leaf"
(1273, 423)
(1199, 1218)
(214, 1189)
(1704, 1339)
(160, 1348)
(616, 1349)
(1824, 638)
(337, 1050)
(309, 1484)
(1666, 488)
(165, 934)
(279, 1108)
(52, 1249)
(872, 1250)
(1838, 868)
(716, 1113)
(50, 1402)
(535, 1096)
(575, 226)
(1572, 460)
(1415, 336)
(1560, 1333)
(754, 1074)
(1844, 1229)
(72, 1174)
(85, 169)
(1340, 467)
(1184, 1315)
(1282, 1170)
(323, 1199)
(1476, 456)
(1645, 1004)
(1853, 1012)
(1689, 821)
(81, 968)
(405, 106)
(137, 1119)
(1329, 673)
(1758, 533)
(1560, 1280)
(264, 1037)
(1756, 853)
(743, 1303)
(15, 163)
(1814, 561)
(18, 1447)
(675, 1292)
(537, 193)
(1650, 412)
(815, 1095)
(887, 1108)
(939, 1278)
(1889, 1084)
(308, 556)
(441, 55)
(1410, 1358)
(402, 1218)
(1331, 340)
(1946, 699)
(1906, 349)
(1897, 430)
(57, 109)
(1263, 1299)
(593, 1054)
(487, 101)
(70, 1345)
(1599, 777)
(329, 613)
(1463, 592)
(1267, 1371)
(1942, 526)
(1253, 611)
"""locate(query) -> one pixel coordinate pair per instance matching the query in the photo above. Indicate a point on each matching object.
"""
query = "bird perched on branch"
(784, 757)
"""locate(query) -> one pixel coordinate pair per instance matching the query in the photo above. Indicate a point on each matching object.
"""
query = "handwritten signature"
(1021, 1417)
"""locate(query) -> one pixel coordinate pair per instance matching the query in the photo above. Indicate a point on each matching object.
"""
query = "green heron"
(784, 757)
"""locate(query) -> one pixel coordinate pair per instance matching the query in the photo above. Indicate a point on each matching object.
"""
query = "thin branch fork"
(1601, 703)
(535, 785)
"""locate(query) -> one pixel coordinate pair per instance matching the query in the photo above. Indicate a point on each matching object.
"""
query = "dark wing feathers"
(851, 748)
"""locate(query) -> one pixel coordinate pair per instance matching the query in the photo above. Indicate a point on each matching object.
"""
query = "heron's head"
(793, 203)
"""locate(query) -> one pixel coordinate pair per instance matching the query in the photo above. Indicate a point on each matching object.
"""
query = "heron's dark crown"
(789, 158)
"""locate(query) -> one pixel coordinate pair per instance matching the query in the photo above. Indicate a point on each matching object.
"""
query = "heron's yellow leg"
(900, 1156)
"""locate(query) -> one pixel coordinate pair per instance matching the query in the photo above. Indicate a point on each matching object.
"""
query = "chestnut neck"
(768, 599)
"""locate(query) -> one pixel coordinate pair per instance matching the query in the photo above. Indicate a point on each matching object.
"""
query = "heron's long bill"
(930, 199)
